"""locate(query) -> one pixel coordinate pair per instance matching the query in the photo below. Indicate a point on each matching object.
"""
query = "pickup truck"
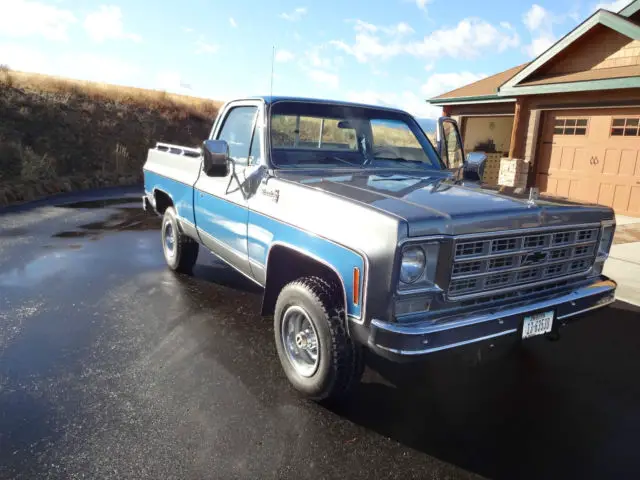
(363, 234)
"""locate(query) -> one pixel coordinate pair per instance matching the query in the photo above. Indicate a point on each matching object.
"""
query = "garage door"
(592, 156)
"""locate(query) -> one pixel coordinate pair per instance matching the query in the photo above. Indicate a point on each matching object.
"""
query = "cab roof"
(268, 99)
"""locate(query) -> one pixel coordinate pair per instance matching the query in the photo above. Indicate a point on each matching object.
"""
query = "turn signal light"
(356, 286)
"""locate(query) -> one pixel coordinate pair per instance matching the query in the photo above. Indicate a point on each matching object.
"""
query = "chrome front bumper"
(421, 338)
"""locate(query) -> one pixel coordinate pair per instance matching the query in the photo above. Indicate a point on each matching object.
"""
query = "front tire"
(319, 358)
(180, 251)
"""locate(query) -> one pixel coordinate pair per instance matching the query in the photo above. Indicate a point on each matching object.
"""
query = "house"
(572, 114)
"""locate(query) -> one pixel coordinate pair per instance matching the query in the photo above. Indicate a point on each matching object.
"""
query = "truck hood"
(431, 206)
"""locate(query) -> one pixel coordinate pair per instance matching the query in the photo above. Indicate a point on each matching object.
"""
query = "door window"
(236, 131)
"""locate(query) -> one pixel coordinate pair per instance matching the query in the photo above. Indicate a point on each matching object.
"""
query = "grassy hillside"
(59, 135)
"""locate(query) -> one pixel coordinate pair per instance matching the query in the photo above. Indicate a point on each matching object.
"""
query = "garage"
(592, 156)
(574, 112)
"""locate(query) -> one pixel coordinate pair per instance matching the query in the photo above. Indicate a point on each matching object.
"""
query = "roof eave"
(630, 9)
(570, 87)
(469, 100)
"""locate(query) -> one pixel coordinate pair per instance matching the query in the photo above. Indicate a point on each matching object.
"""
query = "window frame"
(574, 127)
(260, 117)
(436, 162)
(624, 127)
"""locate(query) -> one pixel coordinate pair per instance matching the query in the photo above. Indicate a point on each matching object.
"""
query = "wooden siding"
(603, 48)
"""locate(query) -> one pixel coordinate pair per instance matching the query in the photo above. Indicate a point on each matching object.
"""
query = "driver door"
(221, 206)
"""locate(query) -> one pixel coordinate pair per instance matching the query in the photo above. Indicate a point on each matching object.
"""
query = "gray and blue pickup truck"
(363, 234)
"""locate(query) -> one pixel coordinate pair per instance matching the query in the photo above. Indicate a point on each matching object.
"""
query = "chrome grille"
(508, 260)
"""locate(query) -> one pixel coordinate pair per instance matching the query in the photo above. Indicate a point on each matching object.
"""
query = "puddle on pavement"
(36, 271)
(106, 202)
(123, 219)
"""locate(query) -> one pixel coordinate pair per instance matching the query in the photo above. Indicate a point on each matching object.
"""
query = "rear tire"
(180, 251)
(319, 358)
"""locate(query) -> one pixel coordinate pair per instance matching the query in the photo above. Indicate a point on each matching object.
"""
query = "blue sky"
(396, 52)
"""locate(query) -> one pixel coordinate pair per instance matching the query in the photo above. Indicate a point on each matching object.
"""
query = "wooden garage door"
(592, 156)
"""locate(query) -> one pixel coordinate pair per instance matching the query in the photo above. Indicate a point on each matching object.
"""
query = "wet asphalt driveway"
(111, 366)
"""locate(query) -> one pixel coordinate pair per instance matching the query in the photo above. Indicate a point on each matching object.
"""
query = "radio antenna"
(273, 57)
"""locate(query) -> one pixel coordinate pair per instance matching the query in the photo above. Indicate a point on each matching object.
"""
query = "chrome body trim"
(409, 339)
(525, 231)
(447, 347)
(589, 309)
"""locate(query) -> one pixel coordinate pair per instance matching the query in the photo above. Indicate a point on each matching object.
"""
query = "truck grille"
(508, 260)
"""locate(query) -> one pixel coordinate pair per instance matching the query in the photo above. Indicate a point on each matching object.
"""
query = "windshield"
(306, 134)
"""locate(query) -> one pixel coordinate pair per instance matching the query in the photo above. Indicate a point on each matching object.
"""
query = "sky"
(387, 52)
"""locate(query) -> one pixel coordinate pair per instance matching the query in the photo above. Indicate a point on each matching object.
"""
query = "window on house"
(625, 127)
(570, 126)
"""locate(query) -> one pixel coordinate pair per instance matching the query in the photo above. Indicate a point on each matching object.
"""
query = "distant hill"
(428, 124)
(58, 135)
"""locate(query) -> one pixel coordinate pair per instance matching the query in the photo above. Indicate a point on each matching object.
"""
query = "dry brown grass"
(103, 92)
(54, 129)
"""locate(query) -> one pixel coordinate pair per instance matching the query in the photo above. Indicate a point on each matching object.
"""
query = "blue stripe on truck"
(262, 232)
(181, 194)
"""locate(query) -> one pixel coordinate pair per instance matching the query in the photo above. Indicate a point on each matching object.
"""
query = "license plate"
(537, 324)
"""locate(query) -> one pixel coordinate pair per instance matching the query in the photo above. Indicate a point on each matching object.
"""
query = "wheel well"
(162, 201)
(286, 265)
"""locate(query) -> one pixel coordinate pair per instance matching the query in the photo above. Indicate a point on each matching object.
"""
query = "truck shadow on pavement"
(564, 409)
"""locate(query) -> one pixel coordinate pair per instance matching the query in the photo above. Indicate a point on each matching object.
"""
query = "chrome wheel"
(169, 239)
(300, 341)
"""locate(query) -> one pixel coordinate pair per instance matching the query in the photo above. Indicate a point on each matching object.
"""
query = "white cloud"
(24, 18)
(429, 66)
(284, 56)
(406, 100)
(204, 47)
(295, 15)
(439, 83)
(106, 24)
(539, 22)
(233, 22)
(173, 82)
(414, 102)
(325, 78)
(468, 39)
(422, 4)
(368, 47)
(535, 16)
(614, 7)
(187, 29)
(82, 66)
(539, 45)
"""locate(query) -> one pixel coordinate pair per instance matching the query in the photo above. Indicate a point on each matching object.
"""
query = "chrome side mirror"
(215, 155)
(474, 164)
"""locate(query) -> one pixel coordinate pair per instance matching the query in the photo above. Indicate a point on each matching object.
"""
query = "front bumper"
(397, 340)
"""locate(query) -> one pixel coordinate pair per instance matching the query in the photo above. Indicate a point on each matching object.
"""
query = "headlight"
(413, 264)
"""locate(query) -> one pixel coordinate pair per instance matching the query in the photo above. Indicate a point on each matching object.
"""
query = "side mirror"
(473, 169)
(215, 155)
